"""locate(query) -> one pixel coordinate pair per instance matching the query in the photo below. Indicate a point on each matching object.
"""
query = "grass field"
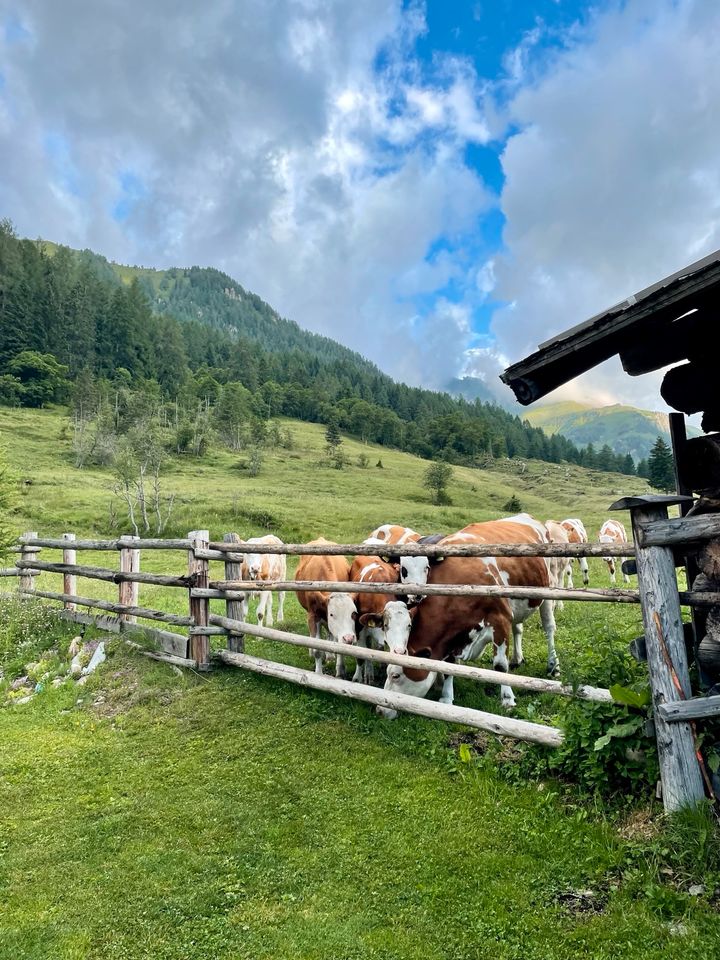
(151, 815)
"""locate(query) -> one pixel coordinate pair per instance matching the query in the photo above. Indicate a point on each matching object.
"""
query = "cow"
(459, 628)
(557, 533)
(378, 624)
(392, 533)
(613, 531)
(415, 569)
(576, 534)
(337, 611)
(266, 566)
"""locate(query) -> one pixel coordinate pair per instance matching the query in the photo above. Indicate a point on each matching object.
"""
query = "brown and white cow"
(459, 628)
(392, 533)
(266, 566)
(576, 534)
(613, 531)
(382, 617)
(336, 611)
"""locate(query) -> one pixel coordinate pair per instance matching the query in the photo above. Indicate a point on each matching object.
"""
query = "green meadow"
(155, 813)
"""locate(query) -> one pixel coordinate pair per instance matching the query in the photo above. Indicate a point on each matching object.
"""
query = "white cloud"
(612, 180)
(267, 143)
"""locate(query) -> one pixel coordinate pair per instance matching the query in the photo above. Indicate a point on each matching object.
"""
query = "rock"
(75, 646)
(58, 681)
(24, 699)
(97, 658)
(81, 681)
(76, 667)
(20, 682)
(696, 890)
(679, 930)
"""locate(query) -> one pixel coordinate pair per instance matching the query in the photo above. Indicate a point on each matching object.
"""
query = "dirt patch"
(122, 690)
(640, 825)
(504, 749)
(582, 902)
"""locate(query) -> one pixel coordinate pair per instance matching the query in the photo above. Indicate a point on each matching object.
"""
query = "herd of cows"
(450, 628)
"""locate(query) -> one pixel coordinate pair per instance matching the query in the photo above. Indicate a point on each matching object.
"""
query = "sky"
(439, 185)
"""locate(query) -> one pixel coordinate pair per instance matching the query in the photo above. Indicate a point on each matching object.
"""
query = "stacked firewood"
(707, 619)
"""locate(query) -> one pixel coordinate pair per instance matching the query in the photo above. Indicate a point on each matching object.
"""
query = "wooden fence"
(658, 541)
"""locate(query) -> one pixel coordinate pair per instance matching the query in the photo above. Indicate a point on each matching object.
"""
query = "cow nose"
(348, 638)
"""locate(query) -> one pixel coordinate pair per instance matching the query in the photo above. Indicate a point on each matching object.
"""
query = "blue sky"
(441, 186)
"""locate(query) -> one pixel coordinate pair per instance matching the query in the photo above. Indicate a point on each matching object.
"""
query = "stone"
(26, 699)
(696, 890)
(75, 646)
(19, 683)
(97, 658)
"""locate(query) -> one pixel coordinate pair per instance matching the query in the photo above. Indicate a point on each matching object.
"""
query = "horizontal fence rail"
(413, 589)
(535, 684)
(219, 551)
(143, 612)
(501, 726)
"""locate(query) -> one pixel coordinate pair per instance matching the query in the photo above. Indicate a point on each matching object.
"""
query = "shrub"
(513, 505)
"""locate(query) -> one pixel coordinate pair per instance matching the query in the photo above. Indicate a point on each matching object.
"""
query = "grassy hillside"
(181, 817)
(625, 429)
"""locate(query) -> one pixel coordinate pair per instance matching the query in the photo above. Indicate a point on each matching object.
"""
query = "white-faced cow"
(383, 618)
(336, 611)
(266, 566)
(613, 531)
(459, 628)
(576, 534)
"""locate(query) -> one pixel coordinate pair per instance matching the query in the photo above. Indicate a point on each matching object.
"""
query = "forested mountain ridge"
(71, 323)
(624, 428)
(210, 296)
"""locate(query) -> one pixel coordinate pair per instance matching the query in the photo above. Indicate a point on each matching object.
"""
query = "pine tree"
(332, 436)
(660, 467)
(628, 465)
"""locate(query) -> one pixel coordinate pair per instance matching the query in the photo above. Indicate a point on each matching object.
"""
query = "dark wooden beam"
(692, 387)
(670, 339)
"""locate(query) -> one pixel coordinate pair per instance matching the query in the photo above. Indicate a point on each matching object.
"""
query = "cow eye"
(404, 571)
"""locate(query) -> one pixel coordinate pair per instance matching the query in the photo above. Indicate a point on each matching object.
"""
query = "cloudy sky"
(439, 185)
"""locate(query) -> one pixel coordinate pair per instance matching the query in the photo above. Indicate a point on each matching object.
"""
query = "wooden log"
(112, 576)
(708, 560)
(682, 783)
(534, 684)
(711, 419)
(69, 558)
(219, 550)
(691, 387)
(10, 572)
(28, 555)
(235, 606)
(698, 708)
(145, 613)
(671, 342)
(594, 594)
(129, 590)
(149, 544)
(500, 726)
(199, 574)
(679, 530)
(172, 644)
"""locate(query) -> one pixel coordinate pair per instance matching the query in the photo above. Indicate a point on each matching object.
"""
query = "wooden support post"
(129, 590)
(682, 784)
(27, 576)
(69, 579)
(234, 609)
(678, 439)
(199, 572)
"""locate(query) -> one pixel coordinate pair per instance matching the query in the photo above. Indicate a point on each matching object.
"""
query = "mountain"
(474, 388)
(625, 429)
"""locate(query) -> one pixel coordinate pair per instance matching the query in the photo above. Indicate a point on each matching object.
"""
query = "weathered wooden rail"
(658, 540)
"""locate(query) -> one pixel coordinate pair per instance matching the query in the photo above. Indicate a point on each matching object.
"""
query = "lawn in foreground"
(236, 816)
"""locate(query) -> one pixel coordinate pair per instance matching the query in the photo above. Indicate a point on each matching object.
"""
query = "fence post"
(27, 576)
(129, 590)
(199, 572)
(69, 579)
(682, 784)
(234, 609)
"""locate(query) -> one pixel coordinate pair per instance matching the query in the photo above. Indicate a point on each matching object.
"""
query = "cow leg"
(448, 690)
(517, 654)
(500, 662)
(359, 675)
(585, 572)
(269, 608)
(314, 631)
(568, 571)
(281, 607)
(611, 568)
(626, 577)
(260, 612)
(547, 616)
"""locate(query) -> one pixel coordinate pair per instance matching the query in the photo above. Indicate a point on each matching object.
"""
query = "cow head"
(414, 683)
(416, 570)
(253, 565)
(394, 625)
(342, 618)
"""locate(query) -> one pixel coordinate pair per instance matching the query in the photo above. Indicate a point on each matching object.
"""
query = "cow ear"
(370, 620)
(412, 610)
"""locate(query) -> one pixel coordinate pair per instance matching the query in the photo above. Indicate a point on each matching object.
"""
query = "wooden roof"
(660, 325)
